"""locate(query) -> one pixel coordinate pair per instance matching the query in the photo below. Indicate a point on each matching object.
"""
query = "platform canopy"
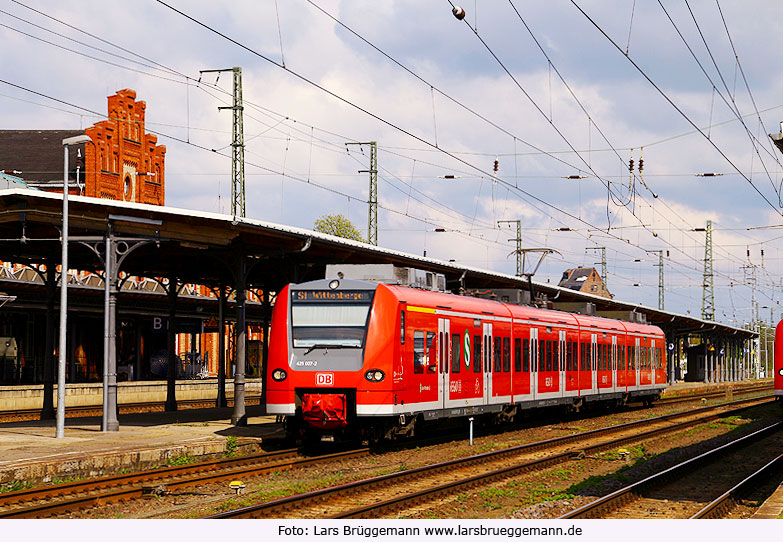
(208, 248)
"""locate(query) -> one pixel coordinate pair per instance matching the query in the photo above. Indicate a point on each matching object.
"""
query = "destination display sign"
(332, 296)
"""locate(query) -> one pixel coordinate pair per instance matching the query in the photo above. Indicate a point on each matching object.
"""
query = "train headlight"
(780, 372)
(278, 375)
(374, 375)
(334, 284)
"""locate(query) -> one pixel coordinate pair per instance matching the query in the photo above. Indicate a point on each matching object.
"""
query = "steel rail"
(88, 493)
(297, 501)
(617, 498)
(721, 506)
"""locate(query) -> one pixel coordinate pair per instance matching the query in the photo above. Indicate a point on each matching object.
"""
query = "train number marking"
(324, 379)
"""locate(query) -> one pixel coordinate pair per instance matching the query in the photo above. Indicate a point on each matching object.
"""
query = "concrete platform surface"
(30, 453)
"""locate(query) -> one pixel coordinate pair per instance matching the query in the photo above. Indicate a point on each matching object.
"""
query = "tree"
(339, 226)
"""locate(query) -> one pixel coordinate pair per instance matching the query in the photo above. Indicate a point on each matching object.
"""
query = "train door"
(637, 362)
(487, 362)
(561, 354)
(593, 362)
(444, 360)
(613, 362)
(533, 362)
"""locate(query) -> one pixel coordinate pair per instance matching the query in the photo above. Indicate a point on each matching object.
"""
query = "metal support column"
(171, 377)
(47, 410)
(239, 417)
(221, 391)
(111, 423)
(707, 361)
(265, 345)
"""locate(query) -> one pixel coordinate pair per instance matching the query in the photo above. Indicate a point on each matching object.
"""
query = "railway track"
(63, 498)
(728, 393)
(391, 493)
(126, 408)
(697, 487)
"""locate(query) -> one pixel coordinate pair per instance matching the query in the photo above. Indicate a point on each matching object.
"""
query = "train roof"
(414, 296)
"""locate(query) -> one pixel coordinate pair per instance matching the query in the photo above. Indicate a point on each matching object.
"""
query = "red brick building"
(122, 163)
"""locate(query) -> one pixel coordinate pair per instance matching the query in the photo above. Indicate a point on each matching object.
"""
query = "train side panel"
(778, 377)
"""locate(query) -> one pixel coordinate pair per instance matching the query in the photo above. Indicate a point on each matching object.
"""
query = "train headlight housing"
(278, 375)
(374, 375)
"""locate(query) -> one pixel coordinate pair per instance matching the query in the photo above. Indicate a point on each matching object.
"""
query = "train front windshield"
(326, 318)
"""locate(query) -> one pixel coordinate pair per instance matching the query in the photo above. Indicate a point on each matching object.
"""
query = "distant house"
(123, 162)
(584, 279)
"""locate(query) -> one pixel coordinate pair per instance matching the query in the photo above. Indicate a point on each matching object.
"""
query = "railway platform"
(30, 453)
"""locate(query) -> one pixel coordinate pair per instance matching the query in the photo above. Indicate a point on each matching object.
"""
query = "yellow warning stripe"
(421, 309)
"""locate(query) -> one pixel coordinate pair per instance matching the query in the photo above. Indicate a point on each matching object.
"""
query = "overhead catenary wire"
(487, 177)
(674, 105)
(156, 62)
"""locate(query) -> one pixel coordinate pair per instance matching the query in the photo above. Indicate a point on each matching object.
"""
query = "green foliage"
(231, 446)
(339, 226)
(16, 485)
(180, 460)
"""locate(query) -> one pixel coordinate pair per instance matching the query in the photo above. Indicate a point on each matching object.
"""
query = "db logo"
(324, 379)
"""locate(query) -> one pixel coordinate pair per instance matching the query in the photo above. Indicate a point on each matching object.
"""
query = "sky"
(563, 94)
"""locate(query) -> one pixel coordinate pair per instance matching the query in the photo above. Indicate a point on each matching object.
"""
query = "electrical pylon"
(708, 293)
(603, 264)
(372, 218)
(237, 145)
(659, 265)
(518, 240)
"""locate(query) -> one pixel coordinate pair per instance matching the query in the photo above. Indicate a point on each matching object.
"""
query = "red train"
(778, 374)
(355, 359)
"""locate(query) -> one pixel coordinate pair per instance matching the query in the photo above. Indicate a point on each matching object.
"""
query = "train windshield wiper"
(324, 346)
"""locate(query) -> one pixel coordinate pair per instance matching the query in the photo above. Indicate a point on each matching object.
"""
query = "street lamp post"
(60, 430)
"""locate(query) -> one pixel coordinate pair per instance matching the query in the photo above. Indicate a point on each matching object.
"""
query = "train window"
(431, 361)
(548, 346)
(581, 356)
(487, 353)
(402, 327)
(506, 354)
(455, 353)
(498, 355)
(517, 355)
(604, 357)
(441, 351)
(541, 355)
(621, 353)
(476, 353)
(555, 356)
(342, 325)
(575, 361)
(419, 361)
(526, 355)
